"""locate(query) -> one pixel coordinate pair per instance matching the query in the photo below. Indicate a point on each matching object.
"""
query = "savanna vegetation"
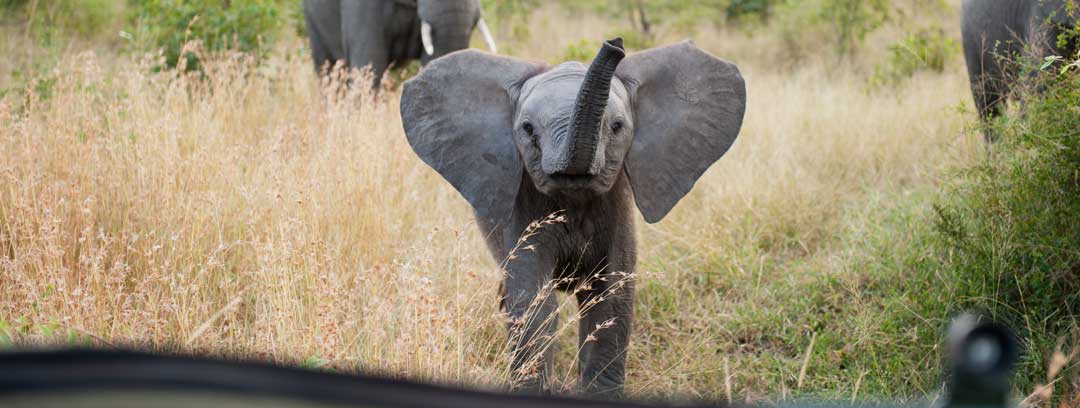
(174, 176)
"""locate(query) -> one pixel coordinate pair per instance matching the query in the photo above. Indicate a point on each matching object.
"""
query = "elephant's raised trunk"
(589, 108)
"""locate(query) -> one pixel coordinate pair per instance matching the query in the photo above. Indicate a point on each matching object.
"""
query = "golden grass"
(248, 214)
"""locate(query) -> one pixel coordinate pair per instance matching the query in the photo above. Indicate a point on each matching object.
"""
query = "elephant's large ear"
(458, 118)
(688, 109)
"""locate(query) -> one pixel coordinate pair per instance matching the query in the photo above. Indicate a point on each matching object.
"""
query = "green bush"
(925, 50)
(50, 20)
(9, 5)
(1011, 232)
(643, 15)
(511, 14)
(1002, 237)
(842, 23)
(852, 20)
(744, 9)
(243, 25)
(585, 49)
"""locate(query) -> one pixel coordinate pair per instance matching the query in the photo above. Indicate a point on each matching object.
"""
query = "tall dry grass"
(251, 213)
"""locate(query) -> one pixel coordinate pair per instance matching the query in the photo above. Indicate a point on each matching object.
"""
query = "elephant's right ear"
(458, 117)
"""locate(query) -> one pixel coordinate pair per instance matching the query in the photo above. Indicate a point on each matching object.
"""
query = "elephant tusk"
(487, 35)
(425, 37)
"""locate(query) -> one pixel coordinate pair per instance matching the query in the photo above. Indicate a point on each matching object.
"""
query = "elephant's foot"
(603, 387)
(532, 386)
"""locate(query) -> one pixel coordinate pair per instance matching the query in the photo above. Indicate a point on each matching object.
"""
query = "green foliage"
(5, 335)
(925, 50)
(504, 8)
(852, 20)
(314, 363)
(1002, 237)
(1011, 230)
(843, 23)
(513, 15)
(244, 25)
(1069, 32)
(51, 20)
(743, 9)
(1017, 228)
(583, 50)
(632, 40)
(8, 6)
(293, 13)
(681, 15)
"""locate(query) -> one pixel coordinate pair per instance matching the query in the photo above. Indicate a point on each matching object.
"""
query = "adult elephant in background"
(384, 33)
(997, 31)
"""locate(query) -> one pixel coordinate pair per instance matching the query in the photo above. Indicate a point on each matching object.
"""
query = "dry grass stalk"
(806, 361)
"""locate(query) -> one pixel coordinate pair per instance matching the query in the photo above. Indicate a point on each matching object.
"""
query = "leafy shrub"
(244, 25)
(680, 15)
(925, 50)
(632, 40)
(1020, 218)
(743, 9)
(852, 20)
(1006, 232)
(843, 23)
(48, 19)
(585, 49)
(1001, 237)
(9, 5)
(513, 14)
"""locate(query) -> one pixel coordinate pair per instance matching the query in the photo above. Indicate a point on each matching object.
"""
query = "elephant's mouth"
(570, 179)
(570, 185)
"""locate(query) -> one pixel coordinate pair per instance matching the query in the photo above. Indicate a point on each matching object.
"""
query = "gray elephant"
(384, 33)
(521, 141)
(998, 31)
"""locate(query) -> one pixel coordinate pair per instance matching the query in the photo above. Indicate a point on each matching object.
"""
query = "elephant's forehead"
(556, 90)
(431, 9)
(560, 82)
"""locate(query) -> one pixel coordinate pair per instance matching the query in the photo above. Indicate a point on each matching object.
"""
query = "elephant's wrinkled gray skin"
(381, 33)
(521, 141)
(997, 30)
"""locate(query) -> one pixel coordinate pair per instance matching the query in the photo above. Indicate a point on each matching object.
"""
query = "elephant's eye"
(616, 126)
(528, 128)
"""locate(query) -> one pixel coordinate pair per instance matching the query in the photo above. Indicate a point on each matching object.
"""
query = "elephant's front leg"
(364, 37)
(530, 302)
(607, 314)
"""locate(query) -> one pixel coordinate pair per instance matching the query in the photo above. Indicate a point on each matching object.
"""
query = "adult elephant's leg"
(607, 314)
(989, 94)
(323, 19)
(986, 79)
(529, 299)
(364, 36)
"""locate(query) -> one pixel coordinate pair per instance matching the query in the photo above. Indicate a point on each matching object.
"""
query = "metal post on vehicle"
(981, 356)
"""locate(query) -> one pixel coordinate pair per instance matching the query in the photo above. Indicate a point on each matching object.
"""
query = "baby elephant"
(521, 141)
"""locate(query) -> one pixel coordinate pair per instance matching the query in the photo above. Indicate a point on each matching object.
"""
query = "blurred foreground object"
(981, 356)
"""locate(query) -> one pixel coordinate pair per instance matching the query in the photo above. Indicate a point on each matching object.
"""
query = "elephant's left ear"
(688, 109)
(458, 118)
